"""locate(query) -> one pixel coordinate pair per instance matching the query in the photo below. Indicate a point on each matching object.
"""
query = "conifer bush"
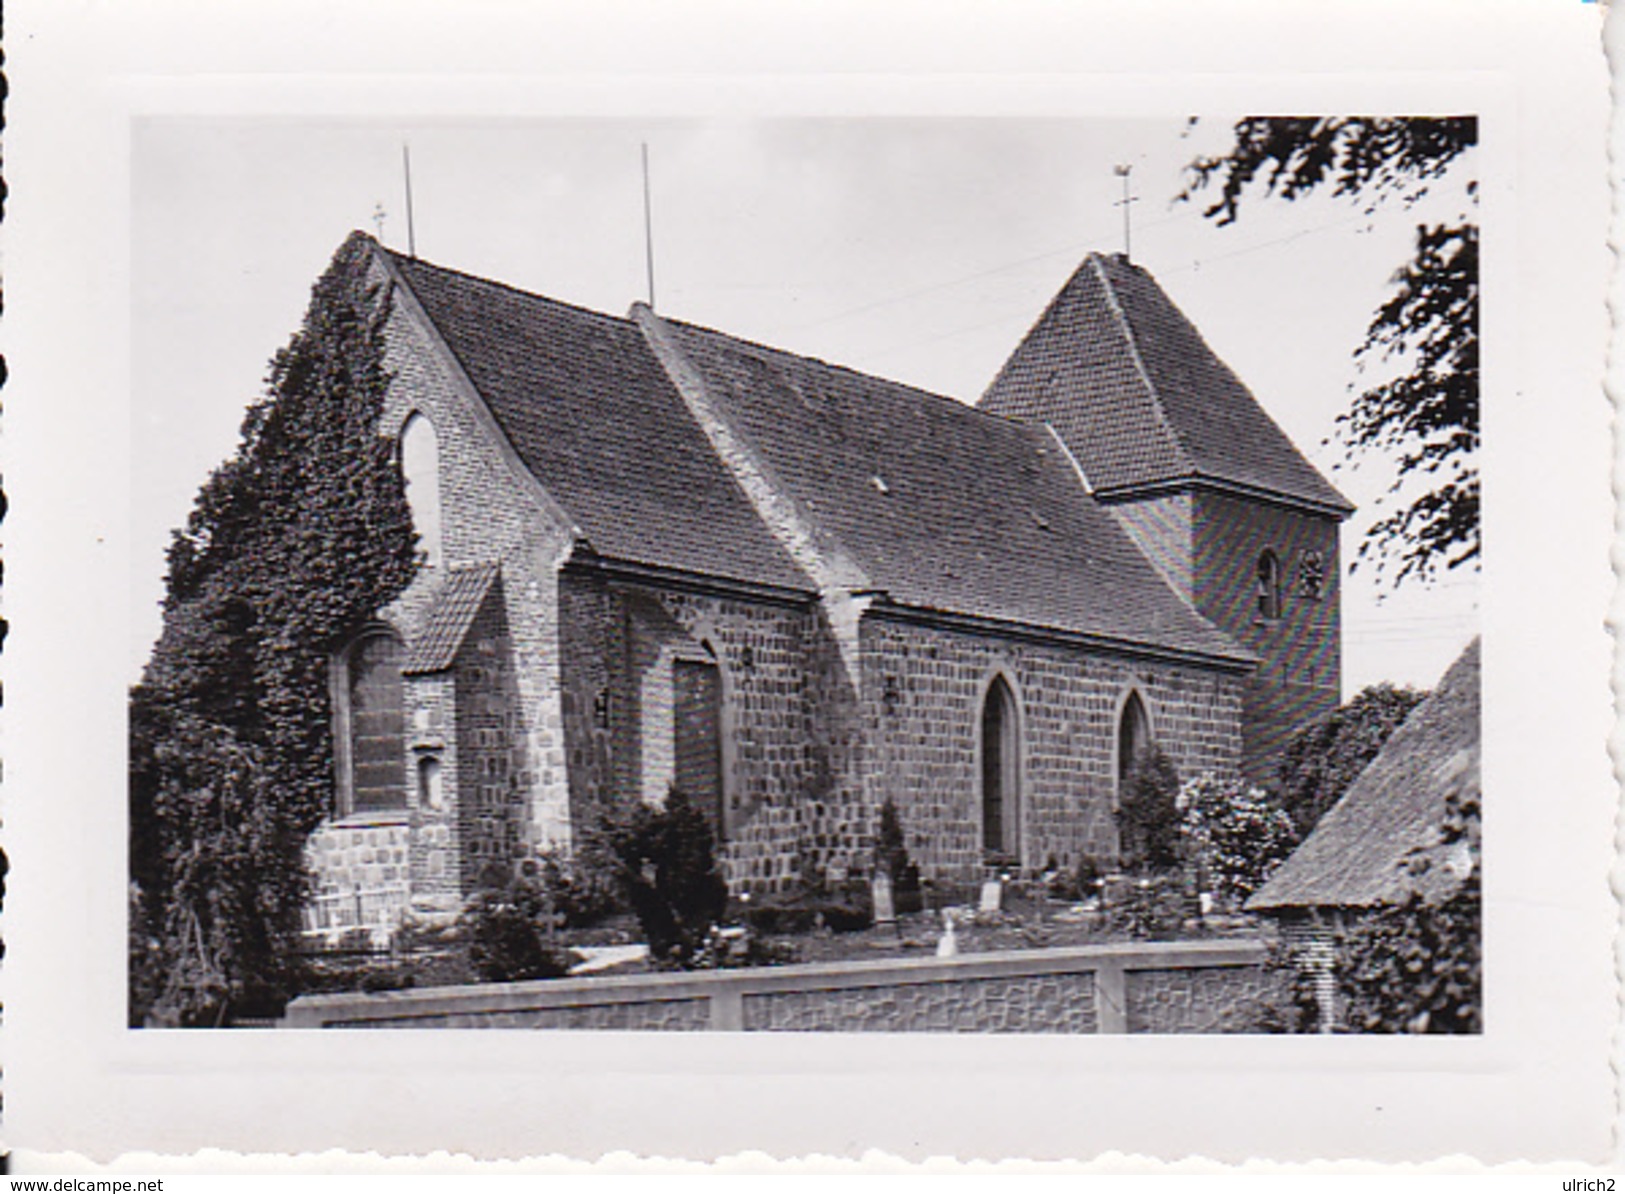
(664, 861)
(892, 858)
(1147, 816)
(280, 563)
(512, 932)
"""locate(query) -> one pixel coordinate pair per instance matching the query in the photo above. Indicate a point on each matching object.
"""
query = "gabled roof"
(1355, 856)
(459, 600)
(943, 507)
(593, 416)
(1141, 399)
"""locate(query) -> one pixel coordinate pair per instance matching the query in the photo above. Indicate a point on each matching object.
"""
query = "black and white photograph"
(1081, 590)
(894, 615)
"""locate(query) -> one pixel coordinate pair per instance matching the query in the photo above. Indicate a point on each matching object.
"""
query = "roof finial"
(1123, 172)
(378, 215)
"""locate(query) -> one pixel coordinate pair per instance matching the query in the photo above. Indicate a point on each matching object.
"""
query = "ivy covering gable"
(292, 546)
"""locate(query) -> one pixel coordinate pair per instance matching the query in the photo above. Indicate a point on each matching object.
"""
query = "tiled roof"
(942, 506)
(1355, 855)
(435, 648)
(592, 415)
(1140, 398)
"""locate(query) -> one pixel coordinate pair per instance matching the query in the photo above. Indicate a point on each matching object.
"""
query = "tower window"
(1269, 587)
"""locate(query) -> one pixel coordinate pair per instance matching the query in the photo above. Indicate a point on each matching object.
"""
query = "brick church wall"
(493, 772)
(923, 689)
(1299, 677)
(618, 641)
(435, 871)
(490, 511)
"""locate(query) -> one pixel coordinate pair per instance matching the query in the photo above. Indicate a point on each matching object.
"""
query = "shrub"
(729, 949)
(1287, 1003)
(1088, 876)
(664, 862)
(1147, 819)
(1235, 837)
(1418, 966)
(1154, 907)
(1322, 759)
(804, 912)
(891, 858)
(582, 889)
(512, 933)
(891, 848)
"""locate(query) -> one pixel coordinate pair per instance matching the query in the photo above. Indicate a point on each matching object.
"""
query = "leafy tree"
(1147, 815)
(292, 545)
(1323, 758)
(1235, 836)
(1426, 333)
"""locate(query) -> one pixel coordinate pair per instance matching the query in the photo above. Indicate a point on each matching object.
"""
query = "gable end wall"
(489, 512)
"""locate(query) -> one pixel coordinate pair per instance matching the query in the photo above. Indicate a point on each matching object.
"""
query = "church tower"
(1169, 440)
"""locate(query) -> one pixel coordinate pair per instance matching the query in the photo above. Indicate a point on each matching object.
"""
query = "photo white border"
(1535, 1086)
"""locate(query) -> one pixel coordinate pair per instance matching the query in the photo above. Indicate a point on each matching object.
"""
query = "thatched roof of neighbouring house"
(1357, 856)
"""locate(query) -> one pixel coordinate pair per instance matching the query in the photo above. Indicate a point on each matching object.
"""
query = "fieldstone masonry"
(927, 685)
(1191, 986)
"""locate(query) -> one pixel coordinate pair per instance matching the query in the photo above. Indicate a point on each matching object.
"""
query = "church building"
(658, 556)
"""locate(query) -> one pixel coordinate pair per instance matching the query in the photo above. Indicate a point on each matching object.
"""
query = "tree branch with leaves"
(1424, 413)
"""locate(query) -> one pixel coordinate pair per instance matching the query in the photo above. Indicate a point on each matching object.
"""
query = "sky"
(915, 249)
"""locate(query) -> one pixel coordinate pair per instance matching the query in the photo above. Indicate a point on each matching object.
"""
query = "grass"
(1026, 921)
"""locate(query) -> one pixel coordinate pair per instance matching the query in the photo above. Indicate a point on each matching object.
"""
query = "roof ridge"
(400, 258)
(1095, 261)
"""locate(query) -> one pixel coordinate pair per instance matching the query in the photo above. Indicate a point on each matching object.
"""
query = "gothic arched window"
(420, 463)
(1269, 586)
(1001, 772)
(371, 730)
(1133, 736)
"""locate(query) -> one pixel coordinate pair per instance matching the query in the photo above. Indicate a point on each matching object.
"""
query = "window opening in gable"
(420, 464)
(1311, 575)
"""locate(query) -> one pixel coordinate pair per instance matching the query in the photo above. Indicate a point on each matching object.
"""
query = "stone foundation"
(363, 878)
